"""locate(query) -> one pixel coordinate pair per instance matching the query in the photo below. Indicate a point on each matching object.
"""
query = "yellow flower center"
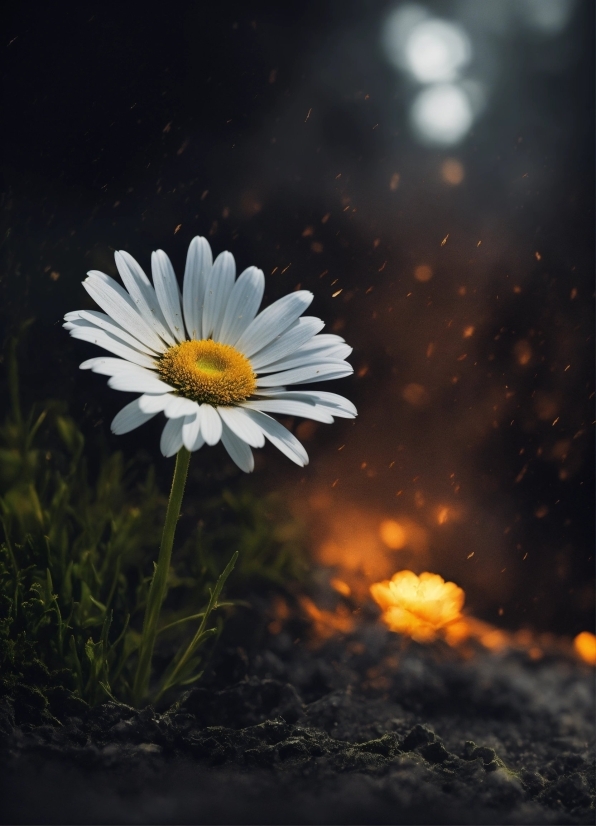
(207, 371)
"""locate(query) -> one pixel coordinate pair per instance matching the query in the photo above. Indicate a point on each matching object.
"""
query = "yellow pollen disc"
(207, 371)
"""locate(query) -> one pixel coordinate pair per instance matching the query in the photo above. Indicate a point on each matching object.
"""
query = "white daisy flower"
(206, 359)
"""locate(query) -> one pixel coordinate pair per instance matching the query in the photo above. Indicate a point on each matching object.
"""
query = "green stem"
(202, 632)
(158, 586)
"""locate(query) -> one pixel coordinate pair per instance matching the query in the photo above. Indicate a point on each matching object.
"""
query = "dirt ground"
(361, 729)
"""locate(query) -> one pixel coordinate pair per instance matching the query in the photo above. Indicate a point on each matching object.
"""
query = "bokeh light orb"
(442, 114)
(392, 534)
(397, 28)
(547, 16)
(436, 50)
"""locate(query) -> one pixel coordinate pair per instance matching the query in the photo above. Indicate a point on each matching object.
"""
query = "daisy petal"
(239, 451)
(340, 374)
(294, 337)
(242, 425)
(330, 402)
(269, 391)
(191, 432)
(273, 321)
(104, 322)
(199, 261)
(311, 372)
(291, 408)
(243, 305)
(210, 424)
(85, 331)
(219, 287)
(168, 294)
(129, 418)
(278, 435)
(117, 303)
(142, 293)
(106, 366)
(154, 403)
(301, 358)
(325, 397)
(171, 437)
(323, 340)
(324, 343)
(139, 382)
(178, 406)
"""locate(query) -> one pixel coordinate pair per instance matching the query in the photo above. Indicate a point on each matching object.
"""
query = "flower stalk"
(157, 590)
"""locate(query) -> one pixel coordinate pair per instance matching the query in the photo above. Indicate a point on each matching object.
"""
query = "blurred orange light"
(341, 587)
(494, 639)
(418, 606)
(452, 171)
(585, 647)
(468, 332)
(328, 623)
(458, 631)
(415, 394)
(523, 352)
(423, 273)
(394, 181)
(392, 534)
(442, 516)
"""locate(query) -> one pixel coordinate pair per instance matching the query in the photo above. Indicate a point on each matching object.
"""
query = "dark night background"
(280, 132)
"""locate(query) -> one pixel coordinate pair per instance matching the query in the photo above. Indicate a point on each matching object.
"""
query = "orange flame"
(418, 606)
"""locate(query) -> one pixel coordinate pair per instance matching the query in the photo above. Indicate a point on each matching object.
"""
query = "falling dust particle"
(178, 228)
(308, 115)
(444, 241)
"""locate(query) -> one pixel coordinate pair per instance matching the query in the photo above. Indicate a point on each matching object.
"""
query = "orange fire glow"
(418, 606)
(361, 545)
(328, 623)
(585, 646)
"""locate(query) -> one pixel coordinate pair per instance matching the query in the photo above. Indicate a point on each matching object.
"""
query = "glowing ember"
(523, 352)
(442, 516)
(328, 623)
(392, 534)
(418, 607)
(423, 273)
(585, 646)
(341, 587)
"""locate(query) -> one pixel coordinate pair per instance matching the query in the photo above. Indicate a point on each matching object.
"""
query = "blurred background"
(427, 170)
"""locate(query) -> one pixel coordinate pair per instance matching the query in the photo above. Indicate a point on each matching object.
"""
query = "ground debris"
(302, 737)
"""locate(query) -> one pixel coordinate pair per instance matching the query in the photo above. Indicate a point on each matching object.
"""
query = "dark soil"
(360, 730)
